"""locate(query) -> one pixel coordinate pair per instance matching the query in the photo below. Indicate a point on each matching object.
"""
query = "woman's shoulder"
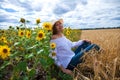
(56, 37)
(53, 37)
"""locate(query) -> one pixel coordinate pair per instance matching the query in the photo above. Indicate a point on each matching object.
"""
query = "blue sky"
(76, 13)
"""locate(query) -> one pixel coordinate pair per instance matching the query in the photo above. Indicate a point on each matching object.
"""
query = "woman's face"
(59, 26)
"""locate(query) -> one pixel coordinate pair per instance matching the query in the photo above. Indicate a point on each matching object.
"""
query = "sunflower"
(3, 31)
(40, 35)
(28, 34)
(3, 39)
(53, 45)
(67, 32)
(22, 20)
(53, 54)
(38, 20)
(21, 33)
(0, 49)
(17, 27)
(4, 51)
(47, 25)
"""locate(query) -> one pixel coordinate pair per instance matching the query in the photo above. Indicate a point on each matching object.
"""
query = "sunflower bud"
(17, 27)
(22, 20)
(38, 20)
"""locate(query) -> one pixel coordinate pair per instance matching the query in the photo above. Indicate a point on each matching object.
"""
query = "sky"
(77, 14)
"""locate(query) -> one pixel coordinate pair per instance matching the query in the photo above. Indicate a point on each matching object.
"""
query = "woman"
(66, 59)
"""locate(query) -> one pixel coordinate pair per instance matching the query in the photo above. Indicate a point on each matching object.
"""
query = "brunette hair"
(54, 29)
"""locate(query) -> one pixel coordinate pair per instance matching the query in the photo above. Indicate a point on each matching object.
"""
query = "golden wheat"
(103, 65)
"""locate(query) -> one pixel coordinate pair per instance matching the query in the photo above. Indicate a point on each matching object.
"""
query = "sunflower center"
(2, 31)
(5, 50)
(21, 33)
(29, 34)
(53, 54)
(40, 35)
(52, 45)
(47, 26)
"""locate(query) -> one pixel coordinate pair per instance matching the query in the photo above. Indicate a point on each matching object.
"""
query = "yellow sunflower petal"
(28, 34)
(47, 25)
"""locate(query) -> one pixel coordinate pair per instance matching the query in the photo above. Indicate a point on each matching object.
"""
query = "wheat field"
(103, 65)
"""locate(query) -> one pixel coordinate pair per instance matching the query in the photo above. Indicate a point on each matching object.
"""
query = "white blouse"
(63, 50)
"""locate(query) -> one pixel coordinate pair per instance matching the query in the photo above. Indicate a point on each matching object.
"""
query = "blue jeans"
(79, 52)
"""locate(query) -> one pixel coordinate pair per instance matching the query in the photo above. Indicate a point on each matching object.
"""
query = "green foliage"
(29, 56)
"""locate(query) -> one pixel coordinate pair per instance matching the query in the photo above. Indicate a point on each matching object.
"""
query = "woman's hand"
(87, 40)
(67, 71)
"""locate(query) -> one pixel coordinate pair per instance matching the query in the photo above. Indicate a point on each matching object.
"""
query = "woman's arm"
(78, 43)
(67, 71)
